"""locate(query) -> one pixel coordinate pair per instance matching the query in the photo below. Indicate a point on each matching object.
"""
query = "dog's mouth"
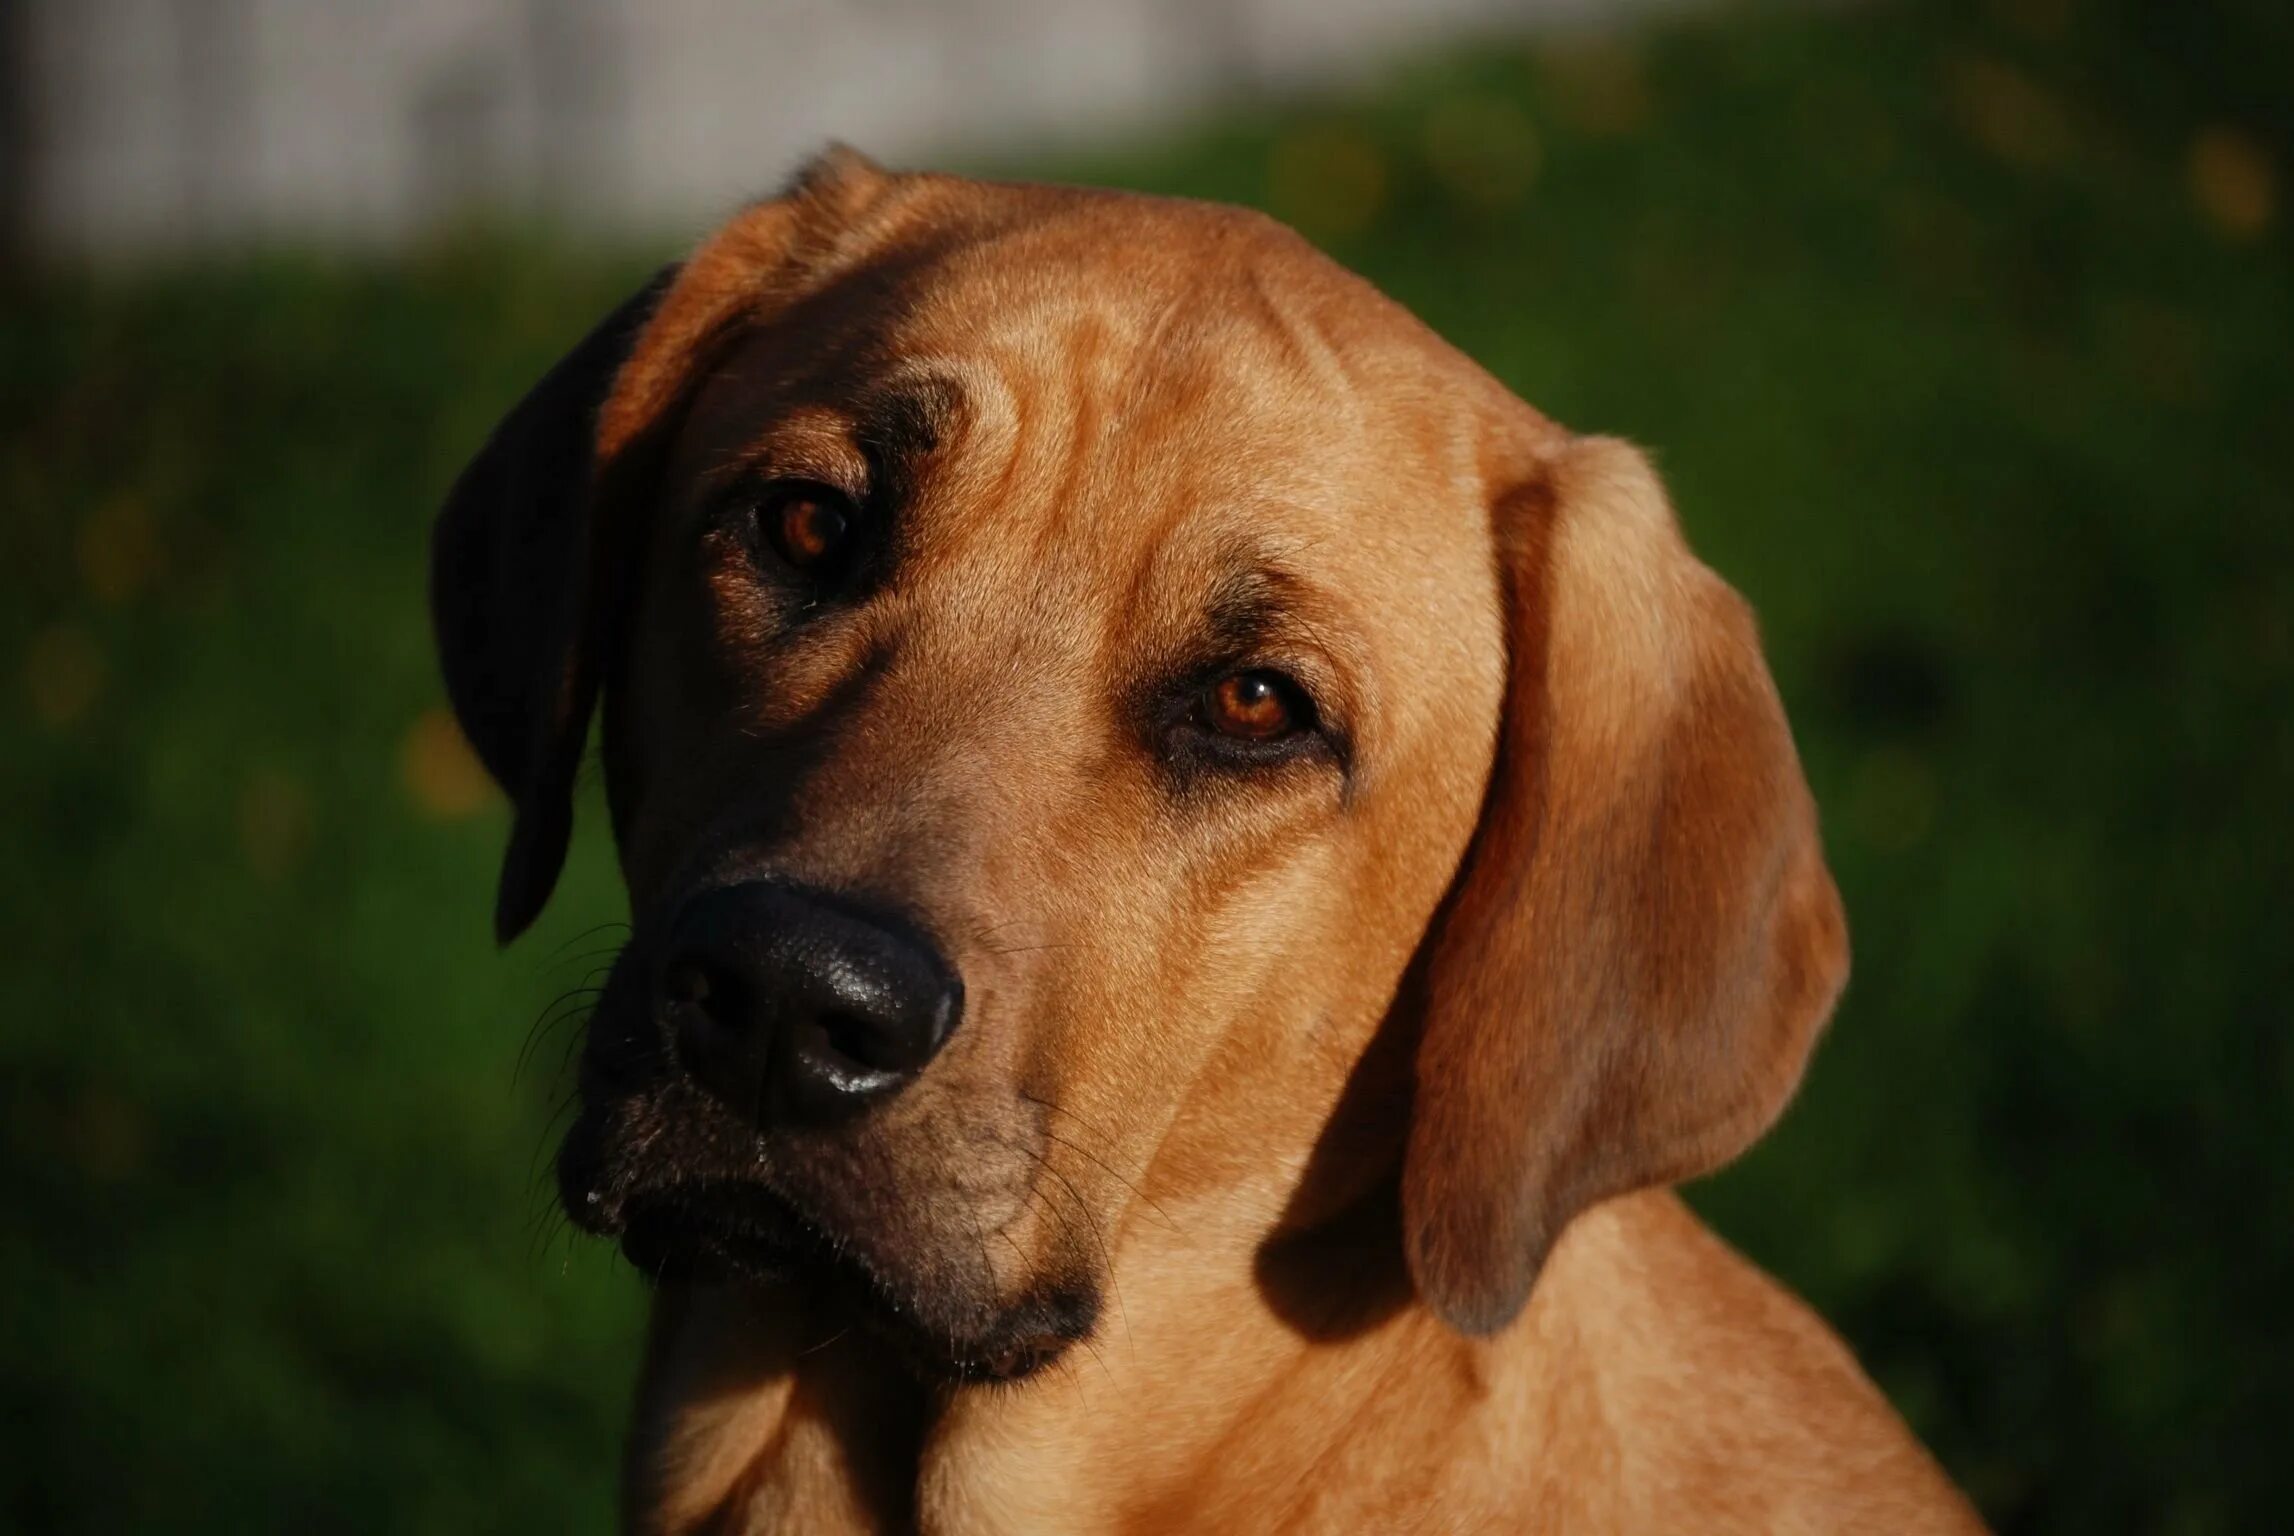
(744, 1234)
(678, 1226)
(716, 1231)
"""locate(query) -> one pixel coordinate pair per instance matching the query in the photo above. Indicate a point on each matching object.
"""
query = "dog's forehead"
(1144, 316)
(1167, 373)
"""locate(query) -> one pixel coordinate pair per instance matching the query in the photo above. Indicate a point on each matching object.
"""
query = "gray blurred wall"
(140, 127)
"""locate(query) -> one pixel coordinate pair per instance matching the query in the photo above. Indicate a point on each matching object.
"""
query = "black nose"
(794, 1004)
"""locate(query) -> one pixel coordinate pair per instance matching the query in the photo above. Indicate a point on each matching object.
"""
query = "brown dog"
(1196, 867)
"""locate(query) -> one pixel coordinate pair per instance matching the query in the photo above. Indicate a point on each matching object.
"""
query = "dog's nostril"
(864, 1042)
(847, 1055)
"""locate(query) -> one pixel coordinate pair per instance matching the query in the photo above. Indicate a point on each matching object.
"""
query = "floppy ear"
(1644, 942)
(509, 565)
(534, 552)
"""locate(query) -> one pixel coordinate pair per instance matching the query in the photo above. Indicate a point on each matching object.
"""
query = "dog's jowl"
(1196, 870)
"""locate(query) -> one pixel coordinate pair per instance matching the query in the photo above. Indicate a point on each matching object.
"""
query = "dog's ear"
(534, 553)
(1643, 943)
(509, 559)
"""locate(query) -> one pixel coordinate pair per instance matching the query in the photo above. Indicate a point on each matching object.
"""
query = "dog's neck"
(1212, 1399)
(756, 1412)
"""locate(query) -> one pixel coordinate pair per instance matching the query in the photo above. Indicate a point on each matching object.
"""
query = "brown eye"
(809, 527)
(1256, 706)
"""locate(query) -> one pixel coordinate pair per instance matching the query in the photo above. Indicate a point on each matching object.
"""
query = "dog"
(1197, 869)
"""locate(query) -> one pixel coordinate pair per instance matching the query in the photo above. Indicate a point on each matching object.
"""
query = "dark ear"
(1644, 942)
(532, 554)
(509, 561)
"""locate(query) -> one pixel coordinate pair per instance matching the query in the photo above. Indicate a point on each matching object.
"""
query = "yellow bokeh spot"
(2161, 348)
(1598, 86)
(2231, 181)
(2008, 113)
(118, 549)
(63, 675)
(2045, 20)
(1326, 181)
(105, 1136)
(442, 776)
(1483, 149)
(275, 822)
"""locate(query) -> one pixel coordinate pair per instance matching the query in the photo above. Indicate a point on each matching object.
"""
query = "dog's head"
(1075, 670)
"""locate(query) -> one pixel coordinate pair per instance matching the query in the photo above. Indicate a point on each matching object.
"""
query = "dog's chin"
(741, 1233)
(676, 1227)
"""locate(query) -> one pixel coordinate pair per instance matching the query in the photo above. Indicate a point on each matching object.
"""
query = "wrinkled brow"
(1258, 598)
(879, 435)
(899, 424)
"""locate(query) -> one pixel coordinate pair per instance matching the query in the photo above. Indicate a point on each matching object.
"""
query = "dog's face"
(1058, 651)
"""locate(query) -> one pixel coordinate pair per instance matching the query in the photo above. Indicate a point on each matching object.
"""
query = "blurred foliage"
(1962, 337)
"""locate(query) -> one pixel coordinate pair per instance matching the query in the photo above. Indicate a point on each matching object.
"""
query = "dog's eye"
(809, 526)
(1257, 705)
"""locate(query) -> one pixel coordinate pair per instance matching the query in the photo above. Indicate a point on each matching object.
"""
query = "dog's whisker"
(1061, 1109)
(1149, 1200)
(1106, 1258)
(550, 1019)
(567, 1105)
(1035, 1193)
(1099, 1359)
(609, 954)
(987, 1265)
(1152, 1204)
(1017, 1252)
(546, 1017)
(576, 993)
(587, 933)
(571, 1023)
(574, 1039)
(544, 1226)
(989, 932)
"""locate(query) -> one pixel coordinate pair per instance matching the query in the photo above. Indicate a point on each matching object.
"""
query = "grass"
(1961, 337)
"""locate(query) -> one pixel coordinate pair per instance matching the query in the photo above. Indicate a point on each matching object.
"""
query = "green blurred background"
(1962, 335)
